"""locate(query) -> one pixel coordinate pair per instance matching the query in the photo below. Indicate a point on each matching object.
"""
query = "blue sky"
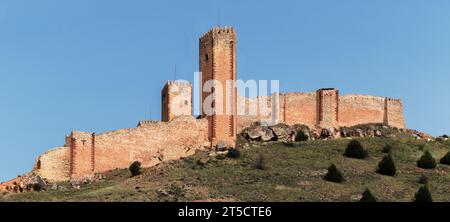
(97, 65)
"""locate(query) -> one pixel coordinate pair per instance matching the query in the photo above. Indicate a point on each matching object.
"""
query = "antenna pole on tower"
(218, 12)
(150, 110)
(175, 73)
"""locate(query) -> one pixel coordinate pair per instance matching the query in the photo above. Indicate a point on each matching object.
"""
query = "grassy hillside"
(293, 172)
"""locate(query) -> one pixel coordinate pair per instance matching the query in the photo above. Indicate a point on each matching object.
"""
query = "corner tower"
(176, 100)
(218, 63)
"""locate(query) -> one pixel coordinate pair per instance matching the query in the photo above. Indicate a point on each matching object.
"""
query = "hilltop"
(292, 172)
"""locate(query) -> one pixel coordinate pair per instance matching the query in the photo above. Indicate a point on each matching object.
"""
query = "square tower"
(328, 108)
(218, 67)
(176, 100)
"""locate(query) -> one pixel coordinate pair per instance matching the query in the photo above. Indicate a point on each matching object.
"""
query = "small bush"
(426, 161)
(423, 195)
(387, 149)
(387, 166)
(234, 153)
(367, 197)
(445, 136)
(135, 168)
(301, 136)
(260, 163)
(334, 175)
(355, 150)
(446, 159)
(423, 180)
(37, 187)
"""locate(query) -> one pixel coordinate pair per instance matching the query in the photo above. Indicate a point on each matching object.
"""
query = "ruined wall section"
(54, 165)
(361, 109)
(298, 108)
(324, 109)
(150, 143)
(394, 113)
(291, 108)
(253, 110)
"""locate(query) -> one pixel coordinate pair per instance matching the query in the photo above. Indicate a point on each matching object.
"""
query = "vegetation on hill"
(274, 172)
(367, 196)
(355, 150)
(423, 195)
(334, 175)
(427, 161)
(135, 168)
(387, 166)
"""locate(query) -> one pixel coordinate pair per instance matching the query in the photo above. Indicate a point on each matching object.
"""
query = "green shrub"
(260, 163)
(387, 166)
(423, 195)
(334, 175)
(37, 187)
(135, 168)
(445, 136)
(301, 136)
(355, 150)
(234, 153)
(426, 161)
(367, 197)
(423, 180)
(387, 149)
(446, 159)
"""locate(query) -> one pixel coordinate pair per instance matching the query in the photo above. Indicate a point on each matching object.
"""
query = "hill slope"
(293, 172)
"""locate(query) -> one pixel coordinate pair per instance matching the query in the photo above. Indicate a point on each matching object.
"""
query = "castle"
(179, 134)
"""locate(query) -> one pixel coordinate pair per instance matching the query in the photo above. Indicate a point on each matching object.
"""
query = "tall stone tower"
(176, 100)
(218, 63)
(328, 108)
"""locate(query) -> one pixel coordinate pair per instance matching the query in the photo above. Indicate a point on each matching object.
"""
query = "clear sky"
(97, 65)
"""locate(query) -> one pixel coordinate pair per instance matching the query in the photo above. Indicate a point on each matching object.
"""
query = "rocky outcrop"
(259, 134)
(25, 183)
(285, 133)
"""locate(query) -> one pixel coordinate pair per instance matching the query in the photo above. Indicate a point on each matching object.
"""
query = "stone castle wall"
(150, 143)
(394, 111)
(361, 109)
(54, 165)
(324, 109)
(180, 135)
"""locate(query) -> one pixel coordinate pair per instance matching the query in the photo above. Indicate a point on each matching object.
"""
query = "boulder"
(330, 133)
(283, 133)
(259, 133)
(344, 133)
(54, 186)
(378, 133)
(358, 133)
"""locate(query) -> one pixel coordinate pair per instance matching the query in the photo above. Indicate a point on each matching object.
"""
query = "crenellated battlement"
(227, 30)
(180, 83)
(143, 123)
(180, 135)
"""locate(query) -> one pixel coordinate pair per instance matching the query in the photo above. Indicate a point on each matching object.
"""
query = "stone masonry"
(218, 63)
(179, 134)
